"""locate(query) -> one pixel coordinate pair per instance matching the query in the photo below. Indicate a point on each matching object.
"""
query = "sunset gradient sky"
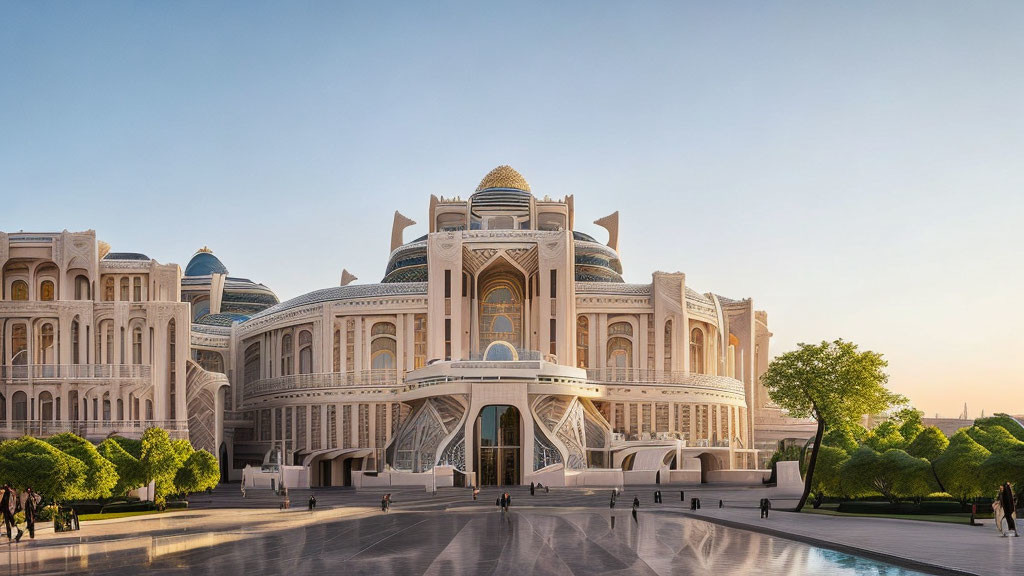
(854, 167)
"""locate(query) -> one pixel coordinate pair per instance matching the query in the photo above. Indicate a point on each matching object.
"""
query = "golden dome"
(504, 177)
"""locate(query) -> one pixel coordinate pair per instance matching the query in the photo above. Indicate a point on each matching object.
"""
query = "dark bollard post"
(681, 498)
(613, 522)
(721, 504)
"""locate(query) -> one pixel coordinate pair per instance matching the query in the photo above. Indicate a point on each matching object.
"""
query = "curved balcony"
(638, 376)
(56, 373)
(328, 380)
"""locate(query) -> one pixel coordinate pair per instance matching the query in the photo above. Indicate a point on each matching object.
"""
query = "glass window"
(697, 351)
(582, 342)
(46, 291)
(19, 290)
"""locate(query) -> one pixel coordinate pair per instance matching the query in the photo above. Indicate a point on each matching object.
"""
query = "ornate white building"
(501, 348)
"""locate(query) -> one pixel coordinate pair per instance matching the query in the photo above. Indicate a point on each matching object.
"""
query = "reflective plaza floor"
(537, 540)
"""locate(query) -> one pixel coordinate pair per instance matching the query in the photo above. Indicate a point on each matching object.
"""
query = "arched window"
(620, 329)
(46, 353)
(75, 340)
(137, 345)
(149, 410)
(287, 349)
(668, 345)
(120, 409)
(20, 406)
(137, 289)
(108, 337)
(382, 353)
(499, 351)
(620, 352)
(583, 342)
(46, 291)
(108, 289)
(45, 406)
(19, 290)
(251, 371)
(19, 344)
(697, 351)
(106, 406)
(305, 352)
(124, 289)
(501, 311)
(81, 287)
(383, 329)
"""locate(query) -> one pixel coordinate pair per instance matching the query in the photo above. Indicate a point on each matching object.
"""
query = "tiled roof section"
(694, 295)
(209, 329)
(126, 256)
(613, 288)
(348, 293)
(725, 300)
(221, 319)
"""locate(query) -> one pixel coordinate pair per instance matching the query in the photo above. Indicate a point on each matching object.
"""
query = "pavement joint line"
(386, 538)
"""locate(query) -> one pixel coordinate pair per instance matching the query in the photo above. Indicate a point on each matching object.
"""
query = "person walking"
(766, 505)
(532, 488)
(387, 502)
(383, 502)
(636, 501)
(7, 510)
(1009, 507)
(611, 502)
(31, 509)
(476, 492)
(312, 502)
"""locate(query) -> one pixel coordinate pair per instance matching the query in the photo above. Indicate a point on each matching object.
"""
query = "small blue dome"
(205, 263)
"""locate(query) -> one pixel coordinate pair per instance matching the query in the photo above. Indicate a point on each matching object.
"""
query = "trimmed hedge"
(926, 507)
(126, 507)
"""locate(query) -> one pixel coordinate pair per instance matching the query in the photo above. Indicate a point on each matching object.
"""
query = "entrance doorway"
(498, 446)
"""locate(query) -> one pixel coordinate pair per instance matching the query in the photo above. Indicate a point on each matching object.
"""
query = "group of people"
(505, 501)
(10, 505)
(537, 486)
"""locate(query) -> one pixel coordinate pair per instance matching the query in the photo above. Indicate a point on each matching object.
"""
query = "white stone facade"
(501, 348)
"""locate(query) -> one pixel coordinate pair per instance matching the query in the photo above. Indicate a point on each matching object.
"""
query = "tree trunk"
(810, 465)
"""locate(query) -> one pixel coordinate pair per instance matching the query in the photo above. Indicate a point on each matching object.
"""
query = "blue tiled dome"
(205, 263)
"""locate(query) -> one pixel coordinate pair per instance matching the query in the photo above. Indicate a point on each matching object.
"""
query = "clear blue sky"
(854, 167)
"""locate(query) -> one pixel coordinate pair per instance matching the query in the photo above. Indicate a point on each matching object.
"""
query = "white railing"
(322, 380)
(28, 372)
(641, 376)
(92, 428)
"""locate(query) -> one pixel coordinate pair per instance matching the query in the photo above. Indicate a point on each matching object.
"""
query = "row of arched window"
(48, 408)
(619, 346)
(130, 289)
(47, 289)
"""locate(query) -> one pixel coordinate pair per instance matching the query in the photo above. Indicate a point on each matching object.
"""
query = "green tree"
(198, 473)
(959, 467)
(129, 469)
(910, 423)
(31, 463)
(895, 475)
(1006, 465)
(791, 452)
(928, 444)
(100, 473)
(1009, 423)
(832, 382)
(886, 436)
(994, 438)
(828, 474)
(159, 462)
(841, 437)
(131, 446)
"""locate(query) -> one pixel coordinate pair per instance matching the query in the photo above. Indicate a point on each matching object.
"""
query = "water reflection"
(526, 542)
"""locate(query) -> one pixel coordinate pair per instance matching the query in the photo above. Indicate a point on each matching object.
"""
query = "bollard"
(681, 499)
(721, 504)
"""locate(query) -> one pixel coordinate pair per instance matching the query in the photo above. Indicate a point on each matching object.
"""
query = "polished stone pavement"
(561, 533)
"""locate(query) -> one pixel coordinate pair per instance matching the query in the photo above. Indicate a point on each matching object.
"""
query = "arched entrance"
(498, 435)
(708, 463)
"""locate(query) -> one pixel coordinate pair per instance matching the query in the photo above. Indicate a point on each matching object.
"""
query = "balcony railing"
(29, 372)
(319, 381)
(92, 428)
(639, 376)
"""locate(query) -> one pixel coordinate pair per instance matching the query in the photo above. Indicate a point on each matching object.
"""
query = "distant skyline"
(855, 168)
